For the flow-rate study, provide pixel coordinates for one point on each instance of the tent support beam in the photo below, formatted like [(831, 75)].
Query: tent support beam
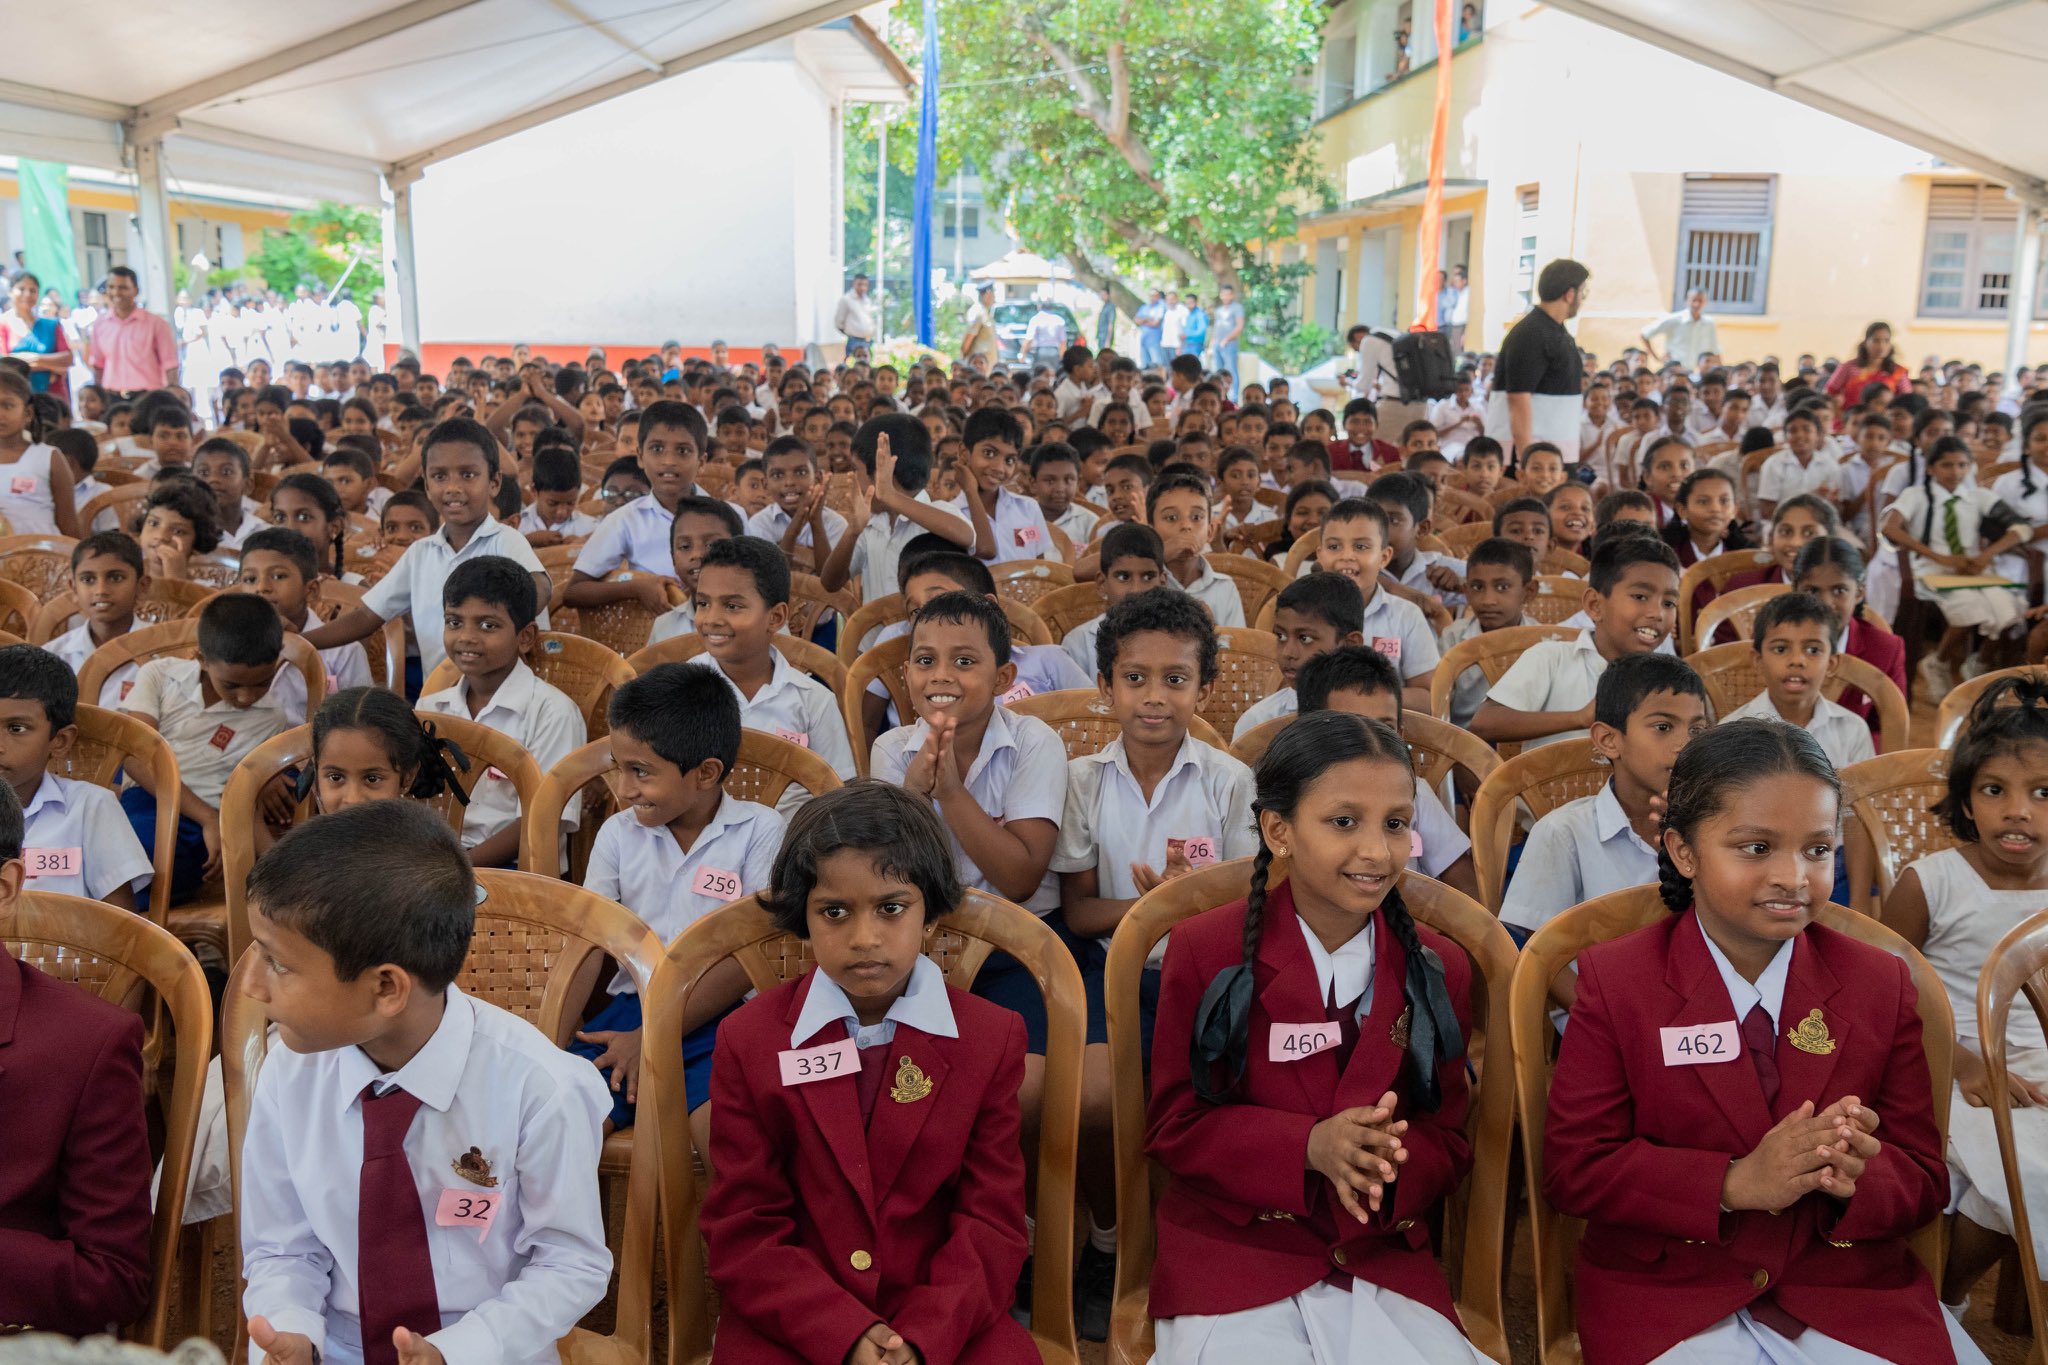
[(1902, 36), (2026, 278), (153, 214), (406, 275)]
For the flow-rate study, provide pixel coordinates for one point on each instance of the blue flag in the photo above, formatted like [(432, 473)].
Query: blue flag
[(927, 175)]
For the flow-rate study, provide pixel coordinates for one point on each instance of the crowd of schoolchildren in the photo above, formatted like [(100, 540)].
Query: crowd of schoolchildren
[(868, 1130)]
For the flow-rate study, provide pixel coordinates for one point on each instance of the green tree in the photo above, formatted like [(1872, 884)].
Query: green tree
[(318, 247)]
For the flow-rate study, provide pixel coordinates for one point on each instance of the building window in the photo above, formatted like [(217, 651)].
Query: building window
[(1339, 75), (1968, 269), (1724, 242), (969, 223), (1525, 247)]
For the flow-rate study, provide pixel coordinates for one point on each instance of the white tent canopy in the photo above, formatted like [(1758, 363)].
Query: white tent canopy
[(341, 99), (1963, 79)]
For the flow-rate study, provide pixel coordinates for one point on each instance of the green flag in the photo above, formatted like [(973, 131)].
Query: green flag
[(50, 254)]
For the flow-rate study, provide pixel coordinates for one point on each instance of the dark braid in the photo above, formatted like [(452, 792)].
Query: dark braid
[(1433, 1033), (1712, 770)]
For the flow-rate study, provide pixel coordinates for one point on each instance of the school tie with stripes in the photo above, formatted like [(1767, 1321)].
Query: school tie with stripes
[(1949, 528)]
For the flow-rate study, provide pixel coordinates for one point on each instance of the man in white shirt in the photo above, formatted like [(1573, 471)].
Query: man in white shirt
[(1687, 334), (854, 317), (1173, 328), (1045, 336)]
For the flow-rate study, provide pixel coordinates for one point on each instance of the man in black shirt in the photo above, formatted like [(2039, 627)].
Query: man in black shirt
[(1541, 371)]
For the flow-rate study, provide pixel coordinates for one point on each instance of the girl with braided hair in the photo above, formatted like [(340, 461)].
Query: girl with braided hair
[(1309, 1090), (1954, 906), (1741, 1109)]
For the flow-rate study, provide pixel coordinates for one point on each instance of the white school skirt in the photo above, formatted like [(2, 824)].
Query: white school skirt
[(1322, 1325), (1741, 1340), (1977, 1172)]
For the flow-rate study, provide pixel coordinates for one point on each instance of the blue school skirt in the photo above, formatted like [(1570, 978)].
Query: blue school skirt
[(622, 1015)]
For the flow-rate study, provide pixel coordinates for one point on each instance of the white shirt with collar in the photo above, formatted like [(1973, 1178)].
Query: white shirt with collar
[(1018, 523), (1782, 477), (571, 527), (794, 706), (250, 524), (537, 716), (1140, 419), (1584, 848), (347, 665), (1416, 577), (669, 887), (1073, 397), (210, 740), (1842, 734), (1344, 977), (880, 548), (675, 621), (76, 645), (77, 840), (1078, 523), (1080, 644), (1399, 630), (486, 1079), (771, 521), (922, 1006), (1469, 689), (637, 536), (1109, 823), (1019, 774), (415, 581), (1767, 990), (1272, 706), (1217, 593), (1552, 675)]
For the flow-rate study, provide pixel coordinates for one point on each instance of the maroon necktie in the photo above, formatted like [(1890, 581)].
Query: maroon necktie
[(1760, 1039), (874, 1061), (394, 1269), (1345, 1017)]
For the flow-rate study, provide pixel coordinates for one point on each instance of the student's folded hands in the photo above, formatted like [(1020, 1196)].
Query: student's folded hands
[(879, 1345), (1359, 1152)]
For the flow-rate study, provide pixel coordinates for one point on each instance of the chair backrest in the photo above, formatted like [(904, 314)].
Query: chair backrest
[(179, 639), (1473, 1243), (1893, 797), (768, 765), (1247, 672), (1462, 539), (1492, 652), (1554, 598), (1062, 544), (121, 500), (1024, 581), (959, 942), (1734, 677), (558, 560), (219, 568), (19, 609), (884, 664), (1549, 952), (1457, 508), (42, 564), (870, 616), (1737, 609), (1955, 707), (1063, 609), (1257, 581), (621, 626), (1541, 779), (584, 669), (809, 602), (1717, 570), (815, 660), (165, 599), (118, 956), (384, 651), (109, 741), (537, 950), (1299, 553), (1084, 721), (1437, 746), (2019, 963), (1563, 563)]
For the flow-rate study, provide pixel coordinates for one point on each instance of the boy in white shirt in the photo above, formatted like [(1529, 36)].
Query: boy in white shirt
[(283, 569), (1794, 639), (107, 579), (553, 516), (796, 514), (1177, 506), (1133, 561), (223, 466), (1353, 542), (1014, 523), (1055, 482), (488, 614), (77, 839), (473, 1137), (699, 524), (1498, 574), (1312, 616), (682, 847), (1801, 467), (891, 508)]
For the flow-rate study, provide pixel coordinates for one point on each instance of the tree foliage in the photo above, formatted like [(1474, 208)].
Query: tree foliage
[(318, 246)]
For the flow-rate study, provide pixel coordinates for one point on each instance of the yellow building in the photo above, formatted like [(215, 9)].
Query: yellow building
[(1567, 139), (226, 230)]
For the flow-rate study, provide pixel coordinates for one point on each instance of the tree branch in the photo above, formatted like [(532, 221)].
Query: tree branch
[(1112, 122), (1125, 298), (1189, 262)]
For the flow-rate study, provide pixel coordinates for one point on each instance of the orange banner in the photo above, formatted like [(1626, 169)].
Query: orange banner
[(1431, 229)]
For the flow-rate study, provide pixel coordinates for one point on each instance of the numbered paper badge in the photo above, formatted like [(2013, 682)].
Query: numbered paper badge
[(796, 737), (1701, 1044), (716, 881), (1292, 1042), (52, 862), (802, 1065), (1199, 850), (468, 1209)]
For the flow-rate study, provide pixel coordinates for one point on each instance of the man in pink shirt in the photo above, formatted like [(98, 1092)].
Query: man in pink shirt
[(133, 350)]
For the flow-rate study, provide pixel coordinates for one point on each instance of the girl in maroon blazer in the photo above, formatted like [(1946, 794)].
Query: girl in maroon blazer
[(869, 1205), (1833, 570), (1309, 1089), (1741, 1110)]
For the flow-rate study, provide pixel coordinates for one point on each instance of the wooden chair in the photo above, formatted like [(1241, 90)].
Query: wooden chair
[(538, 950), (1892, 798), (108, 742), (884, 664), (1733, 677), (19, 609), (1065, 609), (218, 569), (869, 617), (814, 660), (1549, 952), (1084, 721), (165, 599), (809, 603), (1256, 538), (1462, 540), (1062, 544), (622, 626), (959, 942), (1247, 672), (1438, 747), (1955, 707), (1024, 581), (768, 765), (121, 957), (1475, 1238), (1492, 652), (1257, 581), (384, 650), (1456, 509), (585, 669), (1737, 610), (42, 564), (1560, 563), (179, 639), (559, 560), (1717, 570), (1541, 779), (122, 501), (2019, 963), (1555, 599)]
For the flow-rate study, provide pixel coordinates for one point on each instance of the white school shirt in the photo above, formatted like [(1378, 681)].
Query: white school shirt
[(643, 868), (1782, 477), (1109, 823), (1018, 523), (1072, 397), (1272, 706), (1438, 840), (1020, 774), (1140, 419), (1080, 645), (76, 645), (1470, 687), (210, 740), (1043, 668), (793, 705), (1972, 503), (924, 1005), (25, 497), (1841, 733), (485, 1079), (414, 583), (637, 536), (1077, 522), (569, 528), (1230, 521), (880, 548), (1552, 675), (1584, 848), (771, 521), (1344, 977), (675, 621), (1417, 578), (249, 525), (1217, 593), (537, 716), (80, 826), (1767, 990), (1400, 631), (347, 665)]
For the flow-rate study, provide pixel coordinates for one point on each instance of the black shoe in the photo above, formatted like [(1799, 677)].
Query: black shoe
[(1094, 1292), (1020, 1311)]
